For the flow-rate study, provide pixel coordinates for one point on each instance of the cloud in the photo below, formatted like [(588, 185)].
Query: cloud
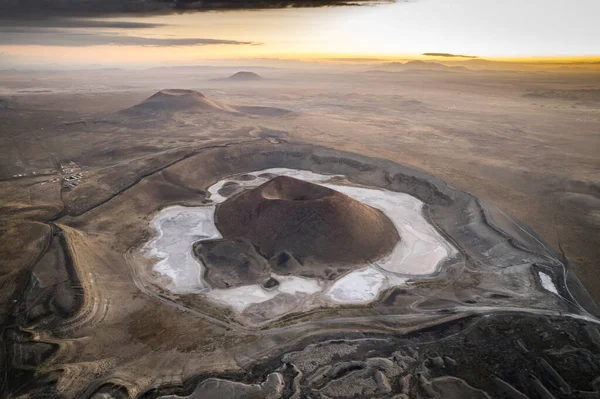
[(354, 59), (77, 39), (48, 9), (449, 55), (76, 23)]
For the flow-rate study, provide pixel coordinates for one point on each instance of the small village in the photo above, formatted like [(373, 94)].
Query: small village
[(71, 173)]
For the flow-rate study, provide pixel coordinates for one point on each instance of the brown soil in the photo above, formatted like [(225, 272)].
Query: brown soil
[(313, 223)]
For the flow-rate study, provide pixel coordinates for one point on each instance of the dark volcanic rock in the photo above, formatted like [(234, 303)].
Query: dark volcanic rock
[(311, 223), (229, 188), (244, 177), (270, 284), (284, 263), (231, 263)]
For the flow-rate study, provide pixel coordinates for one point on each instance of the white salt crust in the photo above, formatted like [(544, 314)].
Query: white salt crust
[(420, 251)]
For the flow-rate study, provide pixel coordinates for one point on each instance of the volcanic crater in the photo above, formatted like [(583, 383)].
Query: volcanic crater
[(305, 229)]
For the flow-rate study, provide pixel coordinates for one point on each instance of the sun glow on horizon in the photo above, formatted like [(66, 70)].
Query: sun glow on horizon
[(513, 31)]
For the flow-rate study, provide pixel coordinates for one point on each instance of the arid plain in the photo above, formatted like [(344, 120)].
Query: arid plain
[(89, 158)]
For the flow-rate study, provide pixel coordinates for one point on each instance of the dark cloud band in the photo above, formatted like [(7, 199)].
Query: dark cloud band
[(73, 23), (73, 39), (45, 9)]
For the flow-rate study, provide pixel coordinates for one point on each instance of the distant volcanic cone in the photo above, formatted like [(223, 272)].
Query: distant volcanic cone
[(313, 224), (245, 76), (179, 100)]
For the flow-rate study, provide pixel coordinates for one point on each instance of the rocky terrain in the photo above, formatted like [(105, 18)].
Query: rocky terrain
[(90, 175)]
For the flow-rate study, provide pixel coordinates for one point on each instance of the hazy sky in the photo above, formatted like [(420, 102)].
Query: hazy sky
[(485, 28)]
